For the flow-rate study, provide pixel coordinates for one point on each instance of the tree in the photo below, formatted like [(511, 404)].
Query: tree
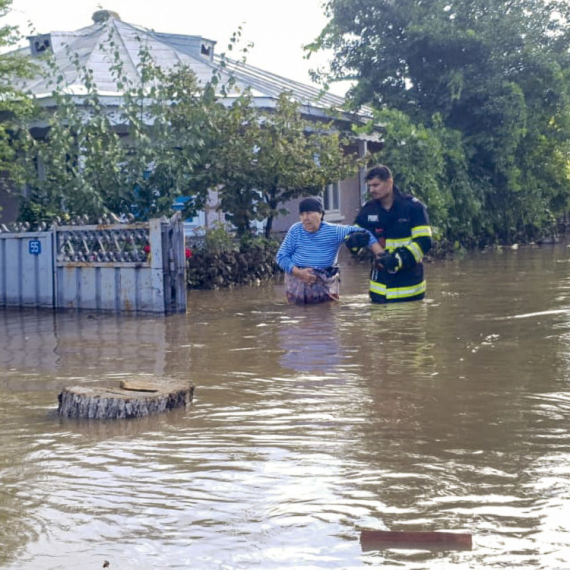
[(494, 72), (15, 106), (416, 155), (137, 164), (269, 157)]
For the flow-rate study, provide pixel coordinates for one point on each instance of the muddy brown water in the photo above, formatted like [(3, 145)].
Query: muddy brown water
[(308, 424)]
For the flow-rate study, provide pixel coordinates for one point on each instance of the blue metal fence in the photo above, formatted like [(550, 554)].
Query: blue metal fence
[(131, 267)]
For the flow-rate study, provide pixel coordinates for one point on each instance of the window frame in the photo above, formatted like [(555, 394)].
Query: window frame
[(332, 197)]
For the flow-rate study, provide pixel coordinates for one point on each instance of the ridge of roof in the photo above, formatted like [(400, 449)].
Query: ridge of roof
[(278, 84)]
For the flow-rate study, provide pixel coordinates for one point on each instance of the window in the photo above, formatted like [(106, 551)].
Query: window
[(332, 199), (207, 49), (41, 44)]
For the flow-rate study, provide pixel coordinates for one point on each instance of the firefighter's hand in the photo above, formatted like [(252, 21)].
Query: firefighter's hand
[(306, 275), (356, 241), (390, 262)]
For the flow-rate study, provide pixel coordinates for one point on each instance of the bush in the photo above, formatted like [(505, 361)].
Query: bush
[(222, 260)]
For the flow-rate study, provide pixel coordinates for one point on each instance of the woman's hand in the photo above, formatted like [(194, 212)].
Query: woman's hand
[(306, 275)]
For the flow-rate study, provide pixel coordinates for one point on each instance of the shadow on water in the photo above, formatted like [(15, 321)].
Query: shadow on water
[(308, 424)]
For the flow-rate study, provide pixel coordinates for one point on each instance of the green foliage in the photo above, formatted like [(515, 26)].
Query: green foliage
[(416, 156), (16, 108), (219, 239), (251, 264), (136, 163), (269, 157), (488, 80), (249, 241)]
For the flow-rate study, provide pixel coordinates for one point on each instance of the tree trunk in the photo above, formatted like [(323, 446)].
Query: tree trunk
[(134, 398), (268, 227)]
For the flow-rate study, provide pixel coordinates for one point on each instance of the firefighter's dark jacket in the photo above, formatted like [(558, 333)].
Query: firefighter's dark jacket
[(403, 229)]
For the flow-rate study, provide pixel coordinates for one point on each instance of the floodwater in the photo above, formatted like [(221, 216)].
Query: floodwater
[(308, 425)]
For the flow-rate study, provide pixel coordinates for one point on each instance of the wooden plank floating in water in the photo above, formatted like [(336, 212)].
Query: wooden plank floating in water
[(134, 398), (378, 539)]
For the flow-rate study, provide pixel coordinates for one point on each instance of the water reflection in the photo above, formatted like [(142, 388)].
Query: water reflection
[(85, 345), (309, 338)]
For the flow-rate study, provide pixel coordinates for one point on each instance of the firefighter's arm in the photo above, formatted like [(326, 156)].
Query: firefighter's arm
[(421, 241), (403, 257), (407, 256), (413, 252)]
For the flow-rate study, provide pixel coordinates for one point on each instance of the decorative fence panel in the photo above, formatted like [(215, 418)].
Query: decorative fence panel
[(133, 267)]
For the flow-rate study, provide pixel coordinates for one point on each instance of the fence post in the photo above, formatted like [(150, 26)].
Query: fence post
[(54, 250), (174, 263), (157, 264), (179, 256)]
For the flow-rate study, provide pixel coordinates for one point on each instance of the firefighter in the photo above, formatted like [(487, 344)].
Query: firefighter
[(401, 225)]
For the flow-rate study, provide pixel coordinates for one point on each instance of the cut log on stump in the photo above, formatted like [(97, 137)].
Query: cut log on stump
[(134, 398), (378, 539)]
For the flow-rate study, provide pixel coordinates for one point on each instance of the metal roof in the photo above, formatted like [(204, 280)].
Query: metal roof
[(92, 46)]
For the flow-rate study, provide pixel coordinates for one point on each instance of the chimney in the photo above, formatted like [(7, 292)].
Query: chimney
[(102, 15)]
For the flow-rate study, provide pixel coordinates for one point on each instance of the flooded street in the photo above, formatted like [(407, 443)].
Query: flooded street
[(308, 424)]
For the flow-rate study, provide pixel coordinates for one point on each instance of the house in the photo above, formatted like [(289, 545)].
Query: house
[(90, 44)]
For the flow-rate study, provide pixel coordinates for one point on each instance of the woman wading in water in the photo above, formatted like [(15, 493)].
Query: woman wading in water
[(309, 252)]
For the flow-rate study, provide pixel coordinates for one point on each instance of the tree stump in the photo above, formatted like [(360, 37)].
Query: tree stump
[(134, 398)]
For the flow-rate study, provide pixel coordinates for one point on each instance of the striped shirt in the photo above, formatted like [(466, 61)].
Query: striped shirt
[(314, 249)]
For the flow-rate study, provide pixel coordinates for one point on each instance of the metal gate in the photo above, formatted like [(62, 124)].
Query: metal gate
[(26, 269), (131, 267)]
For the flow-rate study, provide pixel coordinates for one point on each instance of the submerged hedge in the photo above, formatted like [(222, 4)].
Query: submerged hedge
[(244, 264)]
